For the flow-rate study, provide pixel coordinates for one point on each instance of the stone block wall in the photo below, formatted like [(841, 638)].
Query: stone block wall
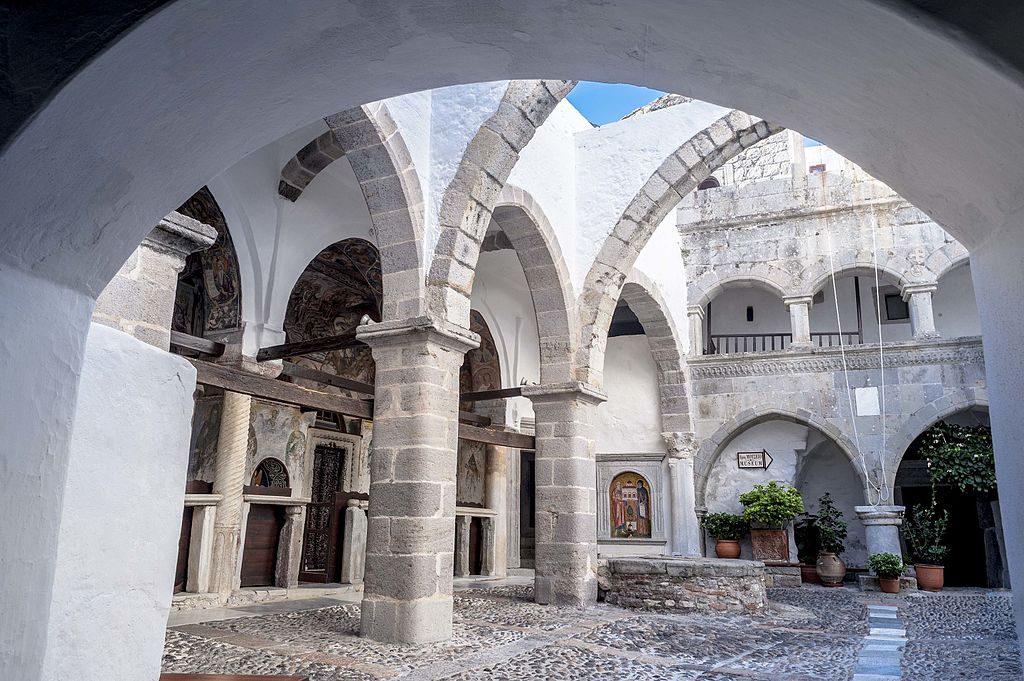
[(684, 584)]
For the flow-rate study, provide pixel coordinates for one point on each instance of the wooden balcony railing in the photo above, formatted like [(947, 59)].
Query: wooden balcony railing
[(725, 344)]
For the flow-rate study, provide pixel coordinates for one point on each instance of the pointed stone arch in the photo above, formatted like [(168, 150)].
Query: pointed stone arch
[(645, 300), (711, 448), (523, 221), (469, 199), (371, 141), (677, 176)]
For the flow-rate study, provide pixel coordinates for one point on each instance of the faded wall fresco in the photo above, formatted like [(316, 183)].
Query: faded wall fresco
[(481, 370), (205, 433), (469, 481), (279, 432)]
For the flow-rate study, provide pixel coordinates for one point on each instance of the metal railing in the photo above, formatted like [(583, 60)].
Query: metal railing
[(725, 344)]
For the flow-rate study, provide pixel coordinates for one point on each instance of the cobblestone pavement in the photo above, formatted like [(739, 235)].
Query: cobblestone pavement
[(499, 633)]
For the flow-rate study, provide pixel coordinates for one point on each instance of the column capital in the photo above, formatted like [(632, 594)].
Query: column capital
[(912, 289), (415, 329), (179, 235), (563, 392), (798, 300), (681, 445), (880, 515), (695, 311)]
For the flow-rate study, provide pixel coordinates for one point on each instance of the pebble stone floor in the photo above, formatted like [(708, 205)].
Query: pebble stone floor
[(499, 633)]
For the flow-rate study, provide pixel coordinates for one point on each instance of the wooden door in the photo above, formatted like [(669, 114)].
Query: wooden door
[(320, 546), (184, 541), (262, 534), (476, 558)]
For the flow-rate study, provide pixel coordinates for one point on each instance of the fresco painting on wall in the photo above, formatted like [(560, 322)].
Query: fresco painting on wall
[(630, 506)]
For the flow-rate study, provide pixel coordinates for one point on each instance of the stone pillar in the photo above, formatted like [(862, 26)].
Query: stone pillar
[(462, 529), (922, 321), (229, 478), (682, 448), (200, 549), (566, 474), (139, 300), (881, 527), (800, 320), (488, 546), (289, 552), (496, 494), (408, 584), (353, 551), (695, 317)]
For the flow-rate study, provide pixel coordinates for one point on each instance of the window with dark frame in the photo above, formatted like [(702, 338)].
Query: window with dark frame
[(896, 308)]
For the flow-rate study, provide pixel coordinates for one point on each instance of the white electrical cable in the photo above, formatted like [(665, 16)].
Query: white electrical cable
[(882, 491)]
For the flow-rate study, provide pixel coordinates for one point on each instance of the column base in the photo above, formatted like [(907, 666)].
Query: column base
[(425, 620), (565, 591)]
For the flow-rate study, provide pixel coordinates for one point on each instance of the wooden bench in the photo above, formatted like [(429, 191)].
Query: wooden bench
[(228, 677)]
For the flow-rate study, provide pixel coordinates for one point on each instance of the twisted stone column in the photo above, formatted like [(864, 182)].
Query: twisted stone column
[(229, 479), (407, 596), (566, 473), (686, 540)]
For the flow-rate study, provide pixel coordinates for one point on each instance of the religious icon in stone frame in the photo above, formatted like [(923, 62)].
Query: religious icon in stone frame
[(630, 505)]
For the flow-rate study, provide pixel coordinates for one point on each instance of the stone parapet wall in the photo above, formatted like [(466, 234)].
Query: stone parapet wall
[(684, 584)]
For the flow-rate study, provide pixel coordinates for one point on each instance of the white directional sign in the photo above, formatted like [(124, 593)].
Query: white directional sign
[(761, 459)]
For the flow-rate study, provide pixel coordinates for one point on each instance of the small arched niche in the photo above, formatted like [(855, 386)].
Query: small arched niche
[(270, 472)]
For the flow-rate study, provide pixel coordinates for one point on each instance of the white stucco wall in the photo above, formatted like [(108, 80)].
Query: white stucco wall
[(826, 469), (954, 305), (662, 261), (630, 421), (126, 485), (614, 161), (501, 295)]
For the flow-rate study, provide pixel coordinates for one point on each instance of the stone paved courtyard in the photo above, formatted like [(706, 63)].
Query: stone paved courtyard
[(499, 633)]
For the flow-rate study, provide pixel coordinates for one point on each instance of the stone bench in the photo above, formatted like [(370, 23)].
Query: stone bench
[(684, 584)]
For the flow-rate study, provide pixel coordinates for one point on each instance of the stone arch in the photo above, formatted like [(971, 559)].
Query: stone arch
[(645, 300), (923, 419), (469, 199), (677, 176), (819, 275), (710, 285), (208, 298), (371, 141), (523, 221), (946, 259), (711, 448)]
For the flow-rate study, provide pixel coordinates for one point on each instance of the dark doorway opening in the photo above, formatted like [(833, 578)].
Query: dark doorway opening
[(527, 508)]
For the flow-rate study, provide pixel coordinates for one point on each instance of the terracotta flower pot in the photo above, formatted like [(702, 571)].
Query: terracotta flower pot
[(930, 577), (727, 548), (809, 574), (831, 569), (889, 585), (770, 544)]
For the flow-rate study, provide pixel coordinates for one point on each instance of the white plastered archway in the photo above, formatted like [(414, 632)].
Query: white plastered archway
[(196, 86)]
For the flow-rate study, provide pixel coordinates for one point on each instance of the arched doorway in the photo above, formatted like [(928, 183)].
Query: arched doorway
[(977, 557)]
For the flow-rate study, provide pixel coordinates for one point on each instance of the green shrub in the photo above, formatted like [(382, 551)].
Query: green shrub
[(960, 456), (925, 530), (772, 504), (887, 565), (726, 526), (830, 526)]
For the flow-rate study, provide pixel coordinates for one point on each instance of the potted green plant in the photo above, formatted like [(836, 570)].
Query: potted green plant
[(888, 567), (925, 531), (832, 534), (808, 546), (769, 508), (727, 529)]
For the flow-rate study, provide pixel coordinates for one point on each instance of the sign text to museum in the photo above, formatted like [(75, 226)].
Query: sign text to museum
[(761, 459)]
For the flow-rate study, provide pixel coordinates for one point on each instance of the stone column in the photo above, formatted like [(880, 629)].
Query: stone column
[(229, 478), (496, 494), (682, 448), (881, 527), (200, 548), (922, 321), (462, 529), (566, 474), (139, 300), (695, 317), (488, 546), (289, 552), (408, 583), (800, 320), (353, 551)]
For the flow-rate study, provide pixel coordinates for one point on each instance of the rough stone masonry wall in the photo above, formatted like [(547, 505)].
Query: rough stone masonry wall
[(767, 160), (684, 584)]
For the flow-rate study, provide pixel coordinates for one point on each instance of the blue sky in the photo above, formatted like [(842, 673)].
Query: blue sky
[(602, 103)]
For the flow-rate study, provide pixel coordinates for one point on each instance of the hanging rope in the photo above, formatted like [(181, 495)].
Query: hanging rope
[(842, 352), (883, 489)]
